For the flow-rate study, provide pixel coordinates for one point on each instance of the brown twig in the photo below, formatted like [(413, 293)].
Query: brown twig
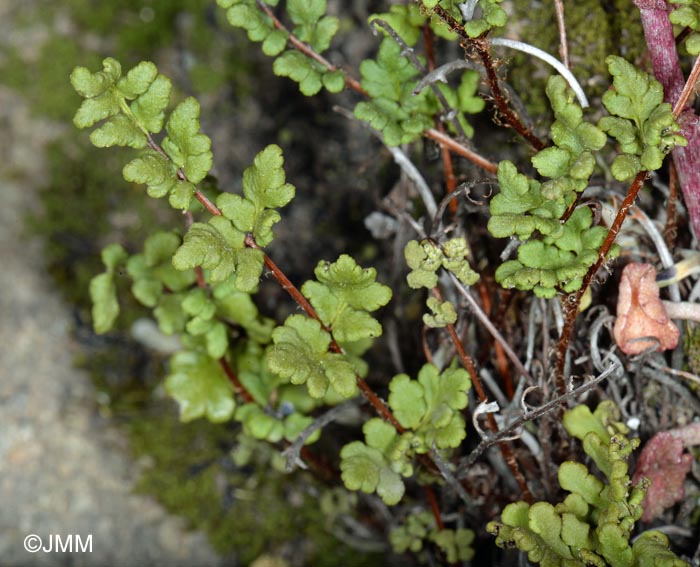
[(561, 26), (573, 301), (688, 89), (506, 450), (483, 50), (206, 203), (434, 507), (456, 147), (501, 358), (238, 387), (285, 282)]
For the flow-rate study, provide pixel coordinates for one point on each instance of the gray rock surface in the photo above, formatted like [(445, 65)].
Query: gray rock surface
[(63, 470)]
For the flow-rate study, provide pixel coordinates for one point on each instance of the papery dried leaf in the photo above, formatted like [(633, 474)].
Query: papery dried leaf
[(665, 464), (641, 316)]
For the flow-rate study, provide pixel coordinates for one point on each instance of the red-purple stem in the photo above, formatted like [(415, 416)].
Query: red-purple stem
[(667, 70)]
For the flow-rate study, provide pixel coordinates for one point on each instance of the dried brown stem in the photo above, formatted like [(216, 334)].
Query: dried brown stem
[(456, 147), (688, 89), (434, 507), (506, 450), (206, 203), (561, 26), (483, 50), (238, 387), (573, 301)]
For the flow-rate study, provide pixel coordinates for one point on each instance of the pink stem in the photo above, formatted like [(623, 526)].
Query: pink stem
[(664, 59)]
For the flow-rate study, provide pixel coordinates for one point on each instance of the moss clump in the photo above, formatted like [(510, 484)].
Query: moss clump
[(692, 349), (246, 505), (594, 31)]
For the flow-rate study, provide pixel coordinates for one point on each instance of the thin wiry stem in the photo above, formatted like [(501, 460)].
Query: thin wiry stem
[(439, 74), (490, 327), (466, 463), (694, 378), (506, 450), (689, 87), (572, 302), (482, 48), (465, 188), (237, 385), (447, 165), (561, 26), (456, 147), (292, 453), (450, 478), (674, 386)]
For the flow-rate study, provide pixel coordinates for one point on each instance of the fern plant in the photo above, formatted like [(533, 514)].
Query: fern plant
[(285, 383), (594, 523)]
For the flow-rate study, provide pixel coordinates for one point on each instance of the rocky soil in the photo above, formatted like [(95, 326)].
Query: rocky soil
[(63, 469)]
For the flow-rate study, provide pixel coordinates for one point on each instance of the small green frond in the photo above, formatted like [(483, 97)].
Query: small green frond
[(300, 354), (213, 246), (641, 122), (300, 69), (245, 14), (492, 16), (593, 525), (264, 189), (312, 25), (200, 387), (106, 96), (344, 295), (442, 313), (185, 145), (431, 405), (394, 110), (105, 307), (424, 259), (369, 468), (103, 294)]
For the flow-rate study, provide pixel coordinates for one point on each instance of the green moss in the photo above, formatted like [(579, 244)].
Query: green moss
[(246, 509), (692, 349), (594, 31)]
